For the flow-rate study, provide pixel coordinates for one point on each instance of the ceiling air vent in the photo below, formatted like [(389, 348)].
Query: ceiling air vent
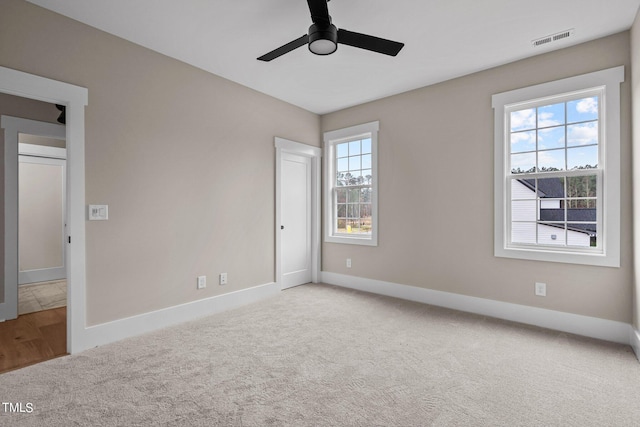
[(553, 38)]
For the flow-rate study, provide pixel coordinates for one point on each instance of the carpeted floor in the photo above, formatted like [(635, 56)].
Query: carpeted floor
[(317, 355)]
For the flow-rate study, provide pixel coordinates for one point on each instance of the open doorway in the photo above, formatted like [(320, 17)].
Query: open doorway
[(39, 173), (42, 221), (24, 86)]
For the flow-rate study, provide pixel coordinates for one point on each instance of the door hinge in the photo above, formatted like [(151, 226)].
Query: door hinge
[(69, 239)]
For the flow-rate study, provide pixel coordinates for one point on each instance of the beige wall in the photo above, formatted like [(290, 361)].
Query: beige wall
[(26, 109), (436, 192), (184, 159), (635, 93)]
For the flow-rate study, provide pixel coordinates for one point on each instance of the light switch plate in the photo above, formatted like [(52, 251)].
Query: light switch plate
[(98, 212)]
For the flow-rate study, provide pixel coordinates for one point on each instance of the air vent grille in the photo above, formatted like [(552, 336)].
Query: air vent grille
[(553, 38)]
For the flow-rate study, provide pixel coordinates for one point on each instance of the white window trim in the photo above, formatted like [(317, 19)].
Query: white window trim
[(608, 79), (332, 138)]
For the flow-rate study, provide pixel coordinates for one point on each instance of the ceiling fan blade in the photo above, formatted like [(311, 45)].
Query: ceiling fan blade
[(319, 12), (364, 41), (285, 49)]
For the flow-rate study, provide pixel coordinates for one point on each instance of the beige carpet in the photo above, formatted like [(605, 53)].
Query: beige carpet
[(42, 296), (316, 355)]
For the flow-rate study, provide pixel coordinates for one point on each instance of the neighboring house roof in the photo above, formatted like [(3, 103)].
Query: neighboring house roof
[(572, 216), (548, 187)]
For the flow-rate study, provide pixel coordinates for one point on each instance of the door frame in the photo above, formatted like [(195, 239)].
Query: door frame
[(75, 98), (315, 154)]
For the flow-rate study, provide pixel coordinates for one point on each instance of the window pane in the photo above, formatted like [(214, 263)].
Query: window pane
[(523, 141), (354, 148), (366, 161), (523, 232), (523, 210), (582, 186), (552, 160), (582, 134), (341, 226), (523, 189), (353, 196), (365, 195), (582, 157), (354, 163), (367, 176), (551, 115), (581, 234), (342, 210), (366, 146), (551, 188), (523, 162), (551, 234), (581, 209), (365, 211), (551, 138), (342, 179), (343, 165), (341, 195), (581, 110), (342, 150), (353, 210), (523, 119)]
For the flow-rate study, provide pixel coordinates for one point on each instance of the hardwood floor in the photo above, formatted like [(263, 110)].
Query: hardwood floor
[(33, 338)]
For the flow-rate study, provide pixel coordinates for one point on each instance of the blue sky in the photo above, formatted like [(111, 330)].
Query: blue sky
[(563, 129)]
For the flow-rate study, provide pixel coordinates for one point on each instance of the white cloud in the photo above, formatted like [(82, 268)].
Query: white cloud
[(587, 105), (582, 134), (545, 120), (523, 119)]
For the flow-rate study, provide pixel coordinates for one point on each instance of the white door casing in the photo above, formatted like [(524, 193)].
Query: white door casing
[(297, 213), (75, 98)]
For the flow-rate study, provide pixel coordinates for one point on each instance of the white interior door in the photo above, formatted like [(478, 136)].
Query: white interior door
[(41, 219), (295, 214)]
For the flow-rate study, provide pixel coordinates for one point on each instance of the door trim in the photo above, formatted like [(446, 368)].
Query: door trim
[(315, 154), (75, 98)]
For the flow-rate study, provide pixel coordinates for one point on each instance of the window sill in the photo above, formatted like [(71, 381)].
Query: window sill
[(351, 240), (568, 257)]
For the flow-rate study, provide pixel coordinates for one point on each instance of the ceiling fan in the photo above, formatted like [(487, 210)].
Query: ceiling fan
[(323, 37)]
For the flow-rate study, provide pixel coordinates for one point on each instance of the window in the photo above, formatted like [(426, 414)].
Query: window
[(557, 170), (351, 185)]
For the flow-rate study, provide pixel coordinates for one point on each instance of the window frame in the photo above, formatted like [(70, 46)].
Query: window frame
[(608, 251), (331, 139)]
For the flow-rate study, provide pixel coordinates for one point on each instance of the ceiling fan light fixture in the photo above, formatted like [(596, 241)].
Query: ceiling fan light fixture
[(323, 40)]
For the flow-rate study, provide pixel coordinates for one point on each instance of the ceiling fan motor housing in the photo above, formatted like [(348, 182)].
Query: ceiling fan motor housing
[(323, 40)]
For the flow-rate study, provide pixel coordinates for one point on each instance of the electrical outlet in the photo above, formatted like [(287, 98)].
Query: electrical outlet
[(541, 289), (202, 282), (223, 278), (348, 262)]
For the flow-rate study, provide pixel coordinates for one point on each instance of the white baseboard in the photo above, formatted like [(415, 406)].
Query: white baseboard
[(593, 327), (116, 330), (635, 342)]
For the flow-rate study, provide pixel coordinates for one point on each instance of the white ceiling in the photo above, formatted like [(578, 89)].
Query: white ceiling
[(443, 39)]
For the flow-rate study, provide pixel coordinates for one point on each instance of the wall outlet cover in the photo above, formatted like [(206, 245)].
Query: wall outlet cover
[(202, 282)]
